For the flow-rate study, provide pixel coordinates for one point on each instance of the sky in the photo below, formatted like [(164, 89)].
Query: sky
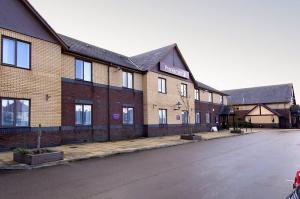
[(227, 44)]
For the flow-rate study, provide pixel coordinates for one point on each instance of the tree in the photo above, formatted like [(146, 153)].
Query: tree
[(185, 101)]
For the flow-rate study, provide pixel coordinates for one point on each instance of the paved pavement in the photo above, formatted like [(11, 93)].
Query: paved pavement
[(253, 166), (74, 152)]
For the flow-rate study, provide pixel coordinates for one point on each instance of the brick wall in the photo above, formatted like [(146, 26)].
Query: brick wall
[(73, 90), (43, 79)]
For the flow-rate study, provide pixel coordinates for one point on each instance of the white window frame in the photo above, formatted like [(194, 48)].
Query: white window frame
[(164, 114), (197, 94), (162, 85), (126, 120), (183, 90), (185, 121), (126, 77), (198, 117)]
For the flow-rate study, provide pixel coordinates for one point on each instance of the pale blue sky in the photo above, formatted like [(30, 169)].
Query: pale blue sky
[(227, 43)]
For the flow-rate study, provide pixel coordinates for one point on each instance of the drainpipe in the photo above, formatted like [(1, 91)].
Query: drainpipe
[(108, 103)]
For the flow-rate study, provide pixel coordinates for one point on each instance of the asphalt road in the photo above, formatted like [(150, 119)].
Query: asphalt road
[(252, 166)]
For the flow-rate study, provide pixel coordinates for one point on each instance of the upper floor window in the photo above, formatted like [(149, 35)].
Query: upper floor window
[(16, 53), (183, 90), (162, 113), (161, 85), (14, 112), (210, 97), (127, 80), (197, 94), (127, 115), (184, 117), (83, 114), (83, 70), (221, 99), (197, 118)]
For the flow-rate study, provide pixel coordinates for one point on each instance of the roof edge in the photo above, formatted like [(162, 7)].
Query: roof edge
[(44, 22)]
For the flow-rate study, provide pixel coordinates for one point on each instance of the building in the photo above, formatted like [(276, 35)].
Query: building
[(79, 92), (266, 106)]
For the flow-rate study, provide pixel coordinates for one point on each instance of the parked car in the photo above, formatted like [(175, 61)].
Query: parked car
[(297, 179)]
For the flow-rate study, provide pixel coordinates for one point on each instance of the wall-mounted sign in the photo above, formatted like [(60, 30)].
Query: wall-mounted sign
[(177, 117), (175, 71), (115, 116)]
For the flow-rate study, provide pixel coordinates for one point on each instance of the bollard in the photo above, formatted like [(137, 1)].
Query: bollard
[(39, 138)]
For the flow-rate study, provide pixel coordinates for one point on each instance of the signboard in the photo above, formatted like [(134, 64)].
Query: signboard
[(115, 116), (175, 71)]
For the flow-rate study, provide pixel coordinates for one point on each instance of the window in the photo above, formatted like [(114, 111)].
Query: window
[(127, 115), (14, 112), (83, 70), (183, 90), (216, 119), (161, 85), (16, 53), (184, 116), (162, 116), (197, 94), (198, 118), (208, 119), (210, 97), (83, 114), (221, 100), (127, 80)]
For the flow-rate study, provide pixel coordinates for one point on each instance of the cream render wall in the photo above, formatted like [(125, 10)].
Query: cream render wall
[(245, 107), (255, 111), (99, 73), (153, 101), (280, 106), (265, 111), (217, 98), (43, 79), (271, 106), (225, 100), (264, 119), (204, 96)]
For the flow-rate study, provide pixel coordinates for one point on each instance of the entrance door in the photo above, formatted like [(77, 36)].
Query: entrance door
[(282, 123)]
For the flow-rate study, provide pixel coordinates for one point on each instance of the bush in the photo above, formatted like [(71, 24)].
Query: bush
[(239, 131), (22, 151)]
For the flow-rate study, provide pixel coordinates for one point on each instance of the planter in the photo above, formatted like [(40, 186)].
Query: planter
[(40, 158), (237, 131), (190, 137)]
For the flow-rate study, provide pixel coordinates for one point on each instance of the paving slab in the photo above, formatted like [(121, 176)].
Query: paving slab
[(76, 152)]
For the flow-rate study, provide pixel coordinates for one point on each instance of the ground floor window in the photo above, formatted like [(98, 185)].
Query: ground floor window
[(198, 118), (127, 115), (15, 112), (217, 119), (83, 114), (162, 113), (208, 118), (184, 116)]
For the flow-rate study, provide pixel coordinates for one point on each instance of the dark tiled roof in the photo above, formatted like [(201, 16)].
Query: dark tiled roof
[(226, 110), (95, 52), (206, 87), (261, 95), (150, 59)]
